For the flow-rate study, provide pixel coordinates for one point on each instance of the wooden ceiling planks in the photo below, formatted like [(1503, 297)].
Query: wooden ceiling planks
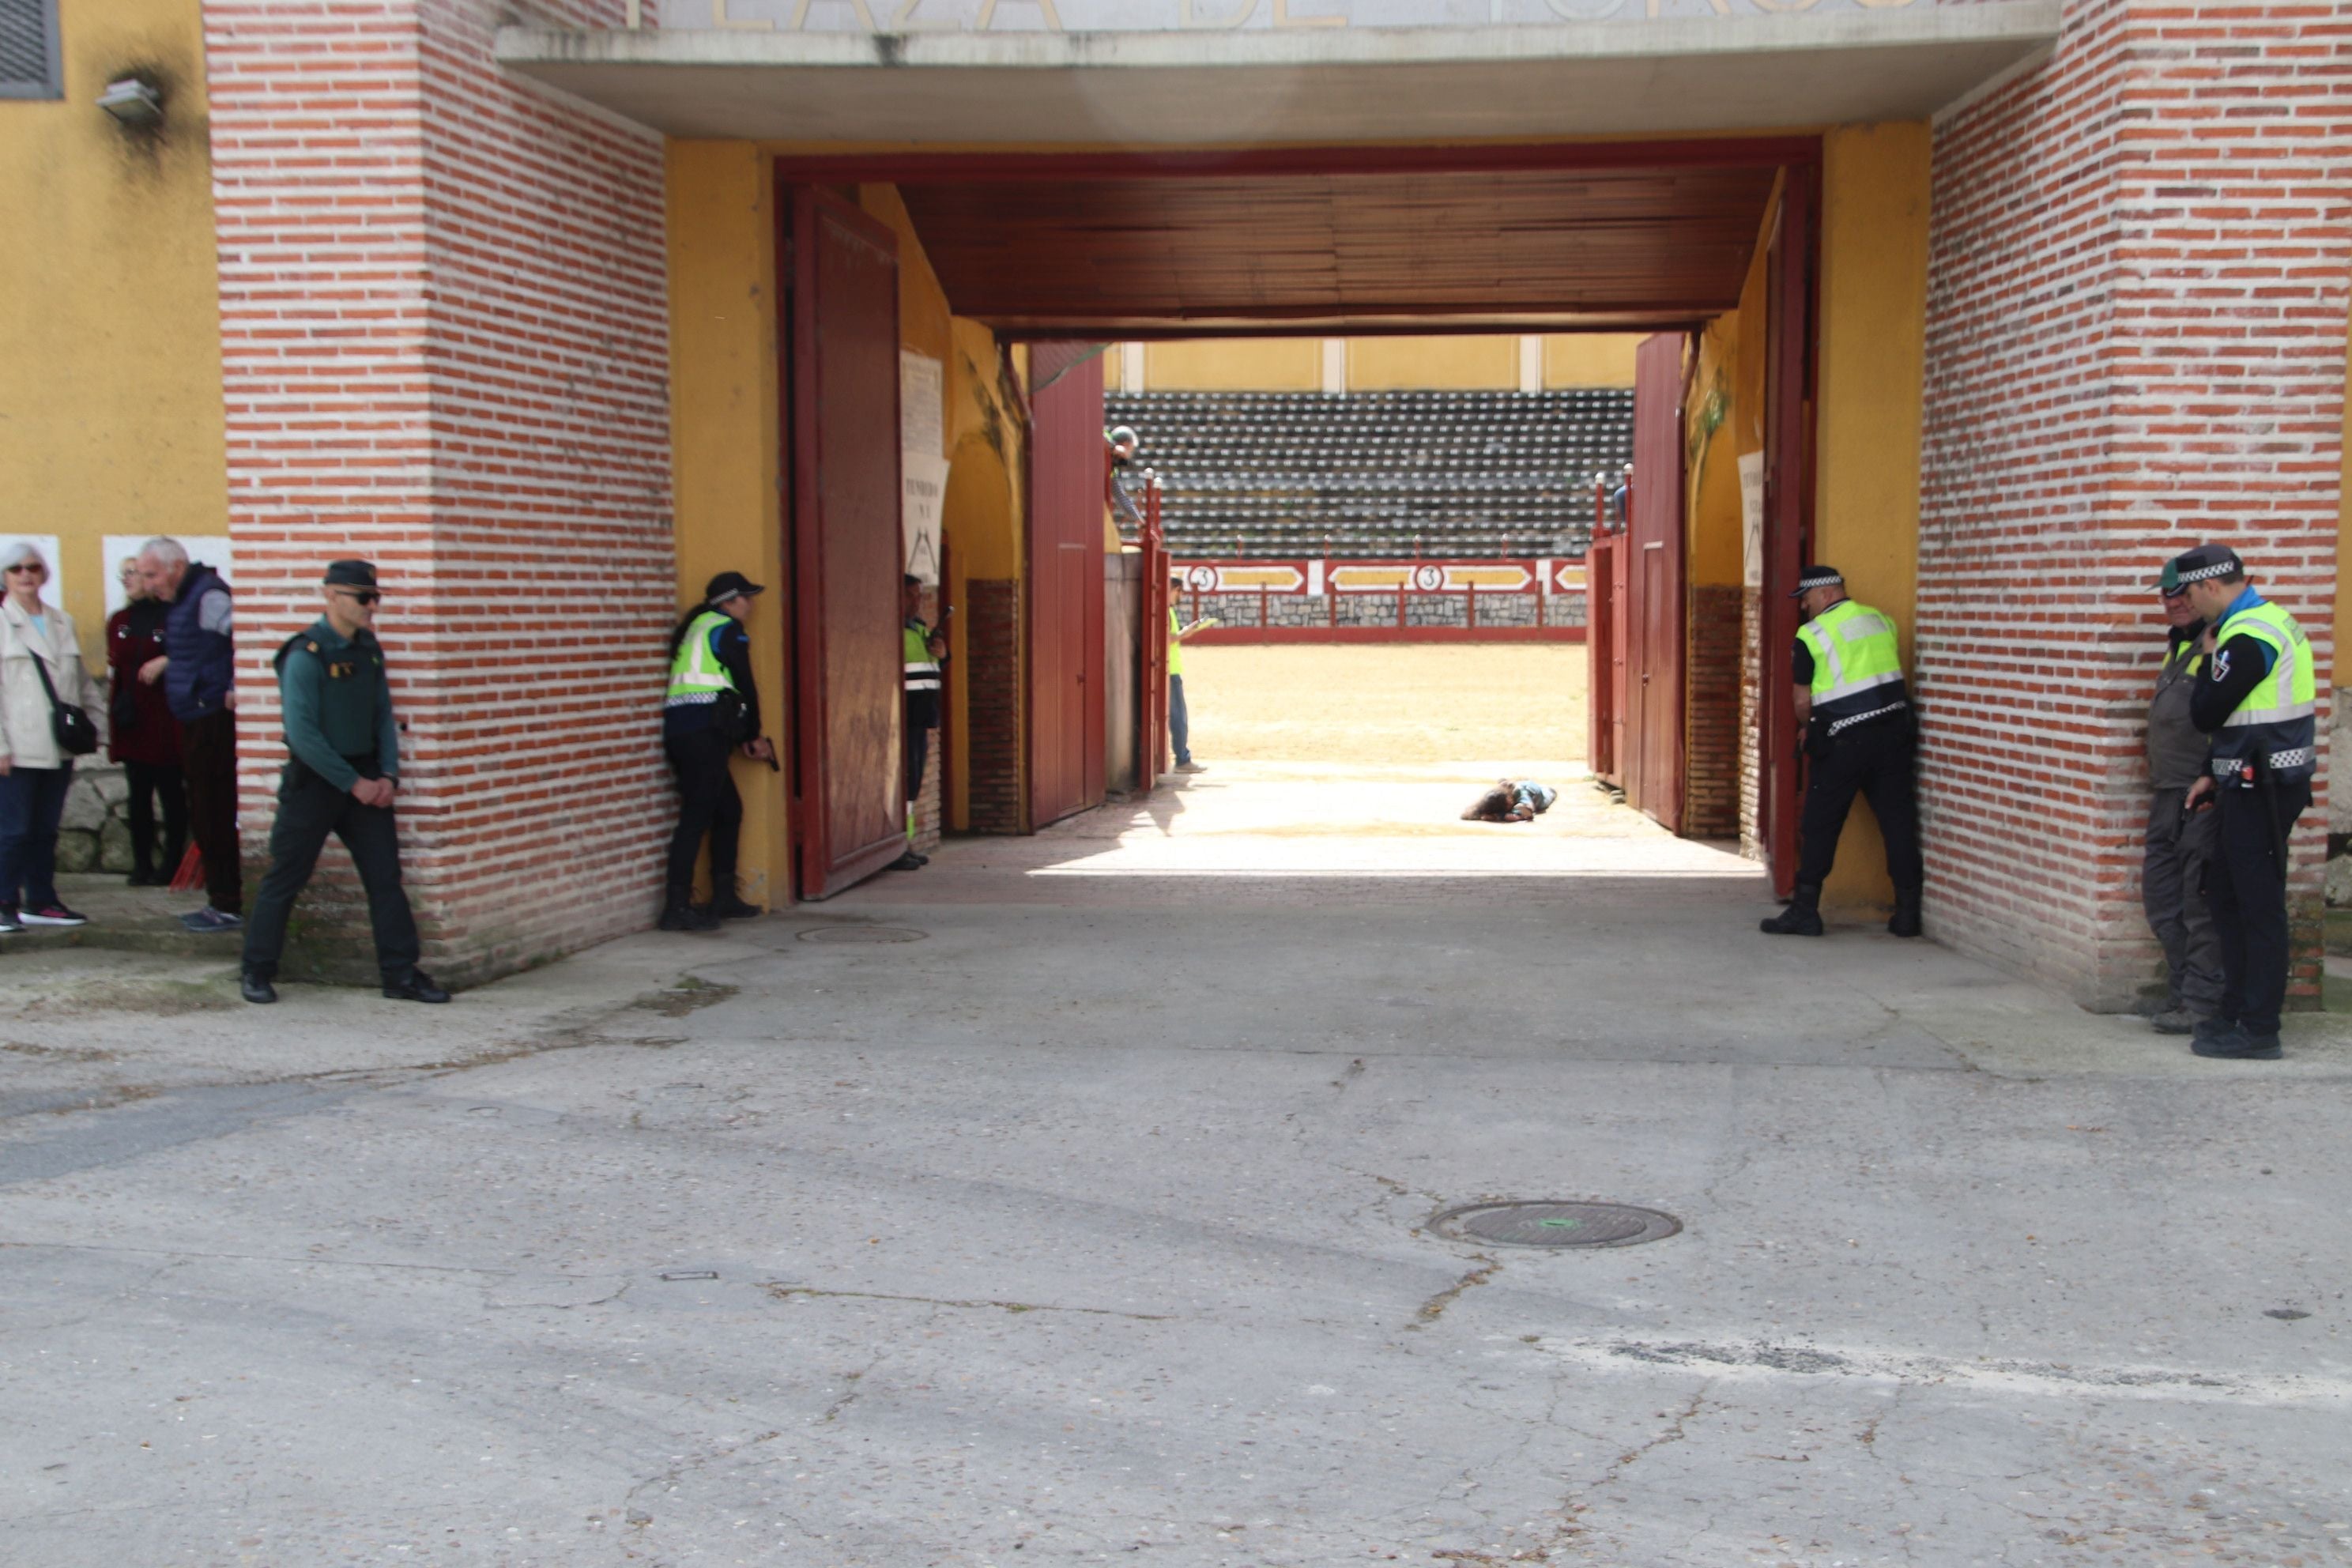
[(1566, 244)]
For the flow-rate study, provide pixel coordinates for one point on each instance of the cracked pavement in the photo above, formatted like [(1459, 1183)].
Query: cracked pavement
[(1091, 1228)]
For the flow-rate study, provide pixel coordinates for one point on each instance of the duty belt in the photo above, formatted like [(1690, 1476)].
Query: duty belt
[(1852, 720), (2240, 771)]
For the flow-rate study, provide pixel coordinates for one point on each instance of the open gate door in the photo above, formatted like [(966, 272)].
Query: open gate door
[(1651, 755), (1067, 722), (848, 816)]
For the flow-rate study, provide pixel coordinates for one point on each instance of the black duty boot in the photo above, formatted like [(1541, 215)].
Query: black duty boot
[(1802, 918), (417, 987), (1905, 918), (731, 908), (679, 915), (255, 987)]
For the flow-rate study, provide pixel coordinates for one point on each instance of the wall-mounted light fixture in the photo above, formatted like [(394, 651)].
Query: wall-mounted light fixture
[(133, 103)]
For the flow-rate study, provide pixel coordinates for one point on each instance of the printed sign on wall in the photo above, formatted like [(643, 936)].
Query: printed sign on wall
[(922, 469)]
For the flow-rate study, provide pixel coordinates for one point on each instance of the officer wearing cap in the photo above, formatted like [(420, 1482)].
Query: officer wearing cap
[(2257, 701), (1860, 733), (2179, 843), (710, 713), (337, 704)]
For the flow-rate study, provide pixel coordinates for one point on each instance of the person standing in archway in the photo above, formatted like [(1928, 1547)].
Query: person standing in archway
[(711, 713), (920, 649), (1861, 733)]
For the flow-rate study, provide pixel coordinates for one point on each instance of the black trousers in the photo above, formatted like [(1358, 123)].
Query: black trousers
[(151, 783), (706, 804), (209, 761), (2245, 887), (309, 808), (1873, 762)]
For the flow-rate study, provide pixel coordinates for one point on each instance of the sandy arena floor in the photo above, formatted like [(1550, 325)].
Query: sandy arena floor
[(1373, 704)]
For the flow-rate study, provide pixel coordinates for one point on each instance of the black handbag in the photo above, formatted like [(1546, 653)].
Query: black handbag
[(77, 736)]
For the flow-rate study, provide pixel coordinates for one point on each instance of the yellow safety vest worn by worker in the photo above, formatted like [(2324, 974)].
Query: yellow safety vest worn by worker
[(1175, 649), (696, 676), (2275, 728), (922, 670), (1857, 665)]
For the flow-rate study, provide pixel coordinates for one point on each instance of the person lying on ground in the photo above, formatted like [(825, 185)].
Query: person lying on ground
[(1512, 800)]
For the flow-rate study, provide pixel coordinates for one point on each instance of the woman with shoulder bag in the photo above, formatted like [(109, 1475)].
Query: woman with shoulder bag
[(144, 737), (48, 717)]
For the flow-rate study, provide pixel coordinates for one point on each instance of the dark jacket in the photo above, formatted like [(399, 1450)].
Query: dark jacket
[(143, 730), (204, 664)]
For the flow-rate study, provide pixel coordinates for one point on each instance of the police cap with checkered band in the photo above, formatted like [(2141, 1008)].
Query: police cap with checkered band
[(2197, 565)]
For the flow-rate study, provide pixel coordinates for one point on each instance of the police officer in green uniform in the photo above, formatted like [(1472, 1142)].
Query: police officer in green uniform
[(2257, 699), (921, 649), (1860, 733), (340, 780)]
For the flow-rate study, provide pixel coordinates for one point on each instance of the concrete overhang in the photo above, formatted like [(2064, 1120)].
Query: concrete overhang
[(1322, 85)]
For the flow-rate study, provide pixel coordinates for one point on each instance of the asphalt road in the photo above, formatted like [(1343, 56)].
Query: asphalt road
[(1091, 1223)]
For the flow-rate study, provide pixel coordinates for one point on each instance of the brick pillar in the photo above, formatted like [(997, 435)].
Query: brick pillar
[(993, 685), (1711, 729), (2136, 340), (444, 346)]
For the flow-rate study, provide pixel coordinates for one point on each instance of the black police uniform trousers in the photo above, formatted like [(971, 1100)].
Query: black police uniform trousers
[(308, 809), (708, 803), (2245, 887), (1873, 761)]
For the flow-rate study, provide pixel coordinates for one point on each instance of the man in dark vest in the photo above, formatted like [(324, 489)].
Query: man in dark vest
[(198, 669), (2179, 843), (337, 701)]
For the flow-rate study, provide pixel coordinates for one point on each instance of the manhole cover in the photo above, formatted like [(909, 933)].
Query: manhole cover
[(1555, 1224), (862, 933)]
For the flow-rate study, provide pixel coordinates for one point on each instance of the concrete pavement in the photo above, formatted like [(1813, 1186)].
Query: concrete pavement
[(1066, 1202)]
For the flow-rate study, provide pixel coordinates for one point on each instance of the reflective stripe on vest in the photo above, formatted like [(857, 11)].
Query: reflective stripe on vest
[(695, 675), (922, 670), (1857, 663), (2276, 722)]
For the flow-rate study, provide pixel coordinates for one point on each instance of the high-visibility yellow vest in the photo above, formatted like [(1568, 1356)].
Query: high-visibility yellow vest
[(1175, 649), (1857, 665), (2276, 725), (922, 670), (695, 675)]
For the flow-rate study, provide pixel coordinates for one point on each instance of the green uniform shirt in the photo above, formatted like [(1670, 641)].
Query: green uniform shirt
[(338, 703)]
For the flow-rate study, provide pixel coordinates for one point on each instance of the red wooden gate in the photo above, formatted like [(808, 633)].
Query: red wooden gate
[(1066, 577), (1651, 756), (842, 370), (1601, 649), (1787, 511), (1151, 686)]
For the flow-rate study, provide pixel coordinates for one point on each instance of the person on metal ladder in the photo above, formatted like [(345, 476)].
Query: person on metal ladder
[(1860, 733), (924, 650)]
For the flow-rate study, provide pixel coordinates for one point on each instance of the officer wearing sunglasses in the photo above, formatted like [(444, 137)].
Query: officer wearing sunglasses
[(340, 780)]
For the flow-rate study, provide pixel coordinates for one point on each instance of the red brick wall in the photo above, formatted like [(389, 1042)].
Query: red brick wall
[(1711, 729), (1751, 722), (444, 345), (2136, 340), (993, 680)]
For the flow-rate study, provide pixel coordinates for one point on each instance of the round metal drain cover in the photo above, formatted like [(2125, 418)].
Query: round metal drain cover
[(1567, 1224), (862, 933)]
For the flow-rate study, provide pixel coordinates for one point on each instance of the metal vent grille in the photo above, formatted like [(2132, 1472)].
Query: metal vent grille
[(29, 49)]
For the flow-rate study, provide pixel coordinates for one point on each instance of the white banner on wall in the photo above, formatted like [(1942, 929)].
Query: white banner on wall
[(1752, 517), (212, 549), (922, 468), (53, 592)]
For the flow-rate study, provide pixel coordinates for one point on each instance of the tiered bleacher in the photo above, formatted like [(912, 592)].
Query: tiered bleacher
[(1378, 474)]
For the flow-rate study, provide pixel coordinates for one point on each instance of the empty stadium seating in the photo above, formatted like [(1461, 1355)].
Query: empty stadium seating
[(1475, 474)]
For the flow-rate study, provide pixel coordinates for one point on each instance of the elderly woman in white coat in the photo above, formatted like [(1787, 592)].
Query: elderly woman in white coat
[(35, 771)]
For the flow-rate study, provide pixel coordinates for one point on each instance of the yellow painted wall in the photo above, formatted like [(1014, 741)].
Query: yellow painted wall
[(1873, 353), (1589, 359), (110, 417), (725, 462), (1234, 365), (1731, 379), (1463, 363)]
